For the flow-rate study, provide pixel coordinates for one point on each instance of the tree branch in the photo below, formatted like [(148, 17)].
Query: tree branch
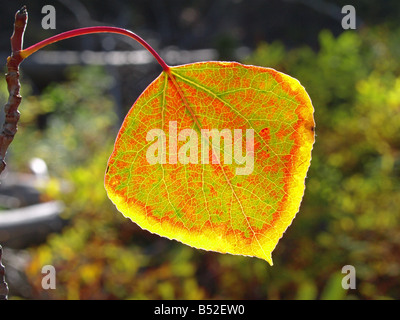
[(3, 283), (11, 109), (12, 77)]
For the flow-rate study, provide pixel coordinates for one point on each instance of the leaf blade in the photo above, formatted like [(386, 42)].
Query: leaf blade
[(208, 206)]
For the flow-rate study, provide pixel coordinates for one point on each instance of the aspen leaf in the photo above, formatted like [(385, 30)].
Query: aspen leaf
[(215, 155), (212, 154)]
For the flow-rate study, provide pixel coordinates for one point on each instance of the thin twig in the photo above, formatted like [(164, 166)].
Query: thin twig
[(11, 108), (3, 283)]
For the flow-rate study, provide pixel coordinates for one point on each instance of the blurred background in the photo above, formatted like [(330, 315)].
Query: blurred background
[(54, 209)]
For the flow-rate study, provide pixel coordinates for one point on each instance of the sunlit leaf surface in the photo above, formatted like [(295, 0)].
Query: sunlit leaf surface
[(237, 195)]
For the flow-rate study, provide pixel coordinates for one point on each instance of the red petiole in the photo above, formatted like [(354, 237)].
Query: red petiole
[(89, 30)]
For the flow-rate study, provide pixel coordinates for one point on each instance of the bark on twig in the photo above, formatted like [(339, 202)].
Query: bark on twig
[(11, 109), (3, 283), (12, 77)]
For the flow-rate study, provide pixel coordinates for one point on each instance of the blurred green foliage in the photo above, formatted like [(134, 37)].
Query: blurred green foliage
[(349, 215), (68, 123), (351, 209)]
